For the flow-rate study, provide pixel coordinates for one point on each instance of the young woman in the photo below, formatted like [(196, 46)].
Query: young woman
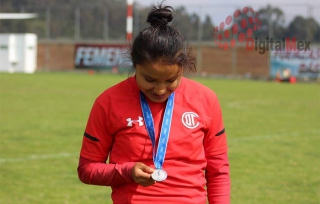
[(163, 133)]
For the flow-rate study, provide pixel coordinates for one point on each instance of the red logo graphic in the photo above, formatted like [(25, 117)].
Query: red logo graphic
[(241, 27)]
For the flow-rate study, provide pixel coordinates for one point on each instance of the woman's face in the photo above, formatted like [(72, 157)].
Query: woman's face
[(158, 80)]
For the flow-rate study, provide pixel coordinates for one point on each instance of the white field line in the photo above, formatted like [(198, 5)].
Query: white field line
[(66, 155), (36, 157), (277, 135)]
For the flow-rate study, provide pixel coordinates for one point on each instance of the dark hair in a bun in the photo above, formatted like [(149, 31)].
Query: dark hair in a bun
[(161, 16), (161, 42)]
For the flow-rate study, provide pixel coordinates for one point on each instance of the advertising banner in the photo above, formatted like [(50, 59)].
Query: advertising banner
[(101, 57), (301, 64)]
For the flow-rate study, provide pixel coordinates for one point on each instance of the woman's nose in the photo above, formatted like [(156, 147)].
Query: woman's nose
[(160, 89)]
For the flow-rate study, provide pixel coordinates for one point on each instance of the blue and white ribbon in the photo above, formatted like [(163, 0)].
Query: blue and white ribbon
[(158, 157)]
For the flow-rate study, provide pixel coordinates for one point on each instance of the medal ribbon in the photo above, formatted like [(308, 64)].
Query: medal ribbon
[(158, 158)]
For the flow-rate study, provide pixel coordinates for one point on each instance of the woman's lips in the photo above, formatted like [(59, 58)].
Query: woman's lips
[(158, 97)]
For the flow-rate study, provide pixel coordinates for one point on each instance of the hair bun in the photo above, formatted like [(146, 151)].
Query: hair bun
[(160, 16)]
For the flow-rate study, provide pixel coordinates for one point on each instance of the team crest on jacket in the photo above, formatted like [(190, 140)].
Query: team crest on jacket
[(139, 121), (189, 119)]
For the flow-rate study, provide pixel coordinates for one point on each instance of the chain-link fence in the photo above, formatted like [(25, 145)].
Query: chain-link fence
[(108, 23), (63, 23)]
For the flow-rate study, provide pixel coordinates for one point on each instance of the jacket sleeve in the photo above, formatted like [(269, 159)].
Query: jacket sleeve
[(98, 173), (217, 171), (96, 145), (218, 179)]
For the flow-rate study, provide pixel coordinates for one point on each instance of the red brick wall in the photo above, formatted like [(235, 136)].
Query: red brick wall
[(217, 61), (253, 62), (238, 61), (53, 56)]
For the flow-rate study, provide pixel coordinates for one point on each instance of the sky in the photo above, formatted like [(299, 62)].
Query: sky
[(218, 10)]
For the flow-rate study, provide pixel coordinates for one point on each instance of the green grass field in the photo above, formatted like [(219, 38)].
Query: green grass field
[(273, 133)]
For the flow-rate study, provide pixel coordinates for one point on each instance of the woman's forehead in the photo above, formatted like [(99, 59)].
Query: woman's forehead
[(158, 69)]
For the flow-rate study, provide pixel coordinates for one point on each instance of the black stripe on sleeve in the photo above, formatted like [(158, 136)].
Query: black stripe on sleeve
[(90, 137), (221, 132)]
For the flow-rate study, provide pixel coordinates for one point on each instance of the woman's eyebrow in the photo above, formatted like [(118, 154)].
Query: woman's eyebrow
[(149, 77)]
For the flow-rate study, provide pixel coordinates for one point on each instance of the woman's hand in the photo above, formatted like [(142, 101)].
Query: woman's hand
[(141, 174)]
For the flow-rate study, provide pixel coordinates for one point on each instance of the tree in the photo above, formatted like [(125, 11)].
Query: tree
[(187, 24), (303, 29), (273, 21), (208, 29)]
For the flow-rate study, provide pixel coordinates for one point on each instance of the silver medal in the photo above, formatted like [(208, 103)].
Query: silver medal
[(159, 175)]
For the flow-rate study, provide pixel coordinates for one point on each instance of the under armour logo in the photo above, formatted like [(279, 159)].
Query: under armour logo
[(188, 119), (130, 121)]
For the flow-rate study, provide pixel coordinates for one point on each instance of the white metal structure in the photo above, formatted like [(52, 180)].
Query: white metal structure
[(18, 52), (18, 15)]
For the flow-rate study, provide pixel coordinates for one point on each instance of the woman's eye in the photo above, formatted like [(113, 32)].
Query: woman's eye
[(149, 80), (171, 81)]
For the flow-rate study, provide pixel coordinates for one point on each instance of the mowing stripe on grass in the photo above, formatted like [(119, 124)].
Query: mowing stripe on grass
[(65, 155)]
